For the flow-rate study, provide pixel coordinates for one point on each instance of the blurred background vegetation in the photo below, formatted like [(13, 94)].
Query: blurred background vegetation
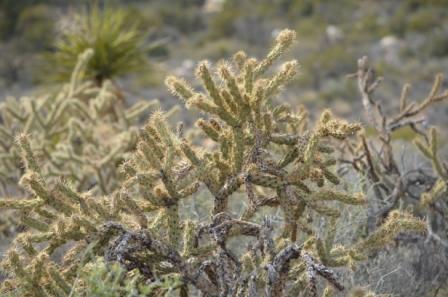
[(404, 39)]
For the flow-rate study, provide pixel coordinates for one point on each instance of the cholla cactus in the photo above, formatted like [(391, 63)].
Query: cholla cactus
[(261, 153), (436, 197), (79, 133), (431, 152)]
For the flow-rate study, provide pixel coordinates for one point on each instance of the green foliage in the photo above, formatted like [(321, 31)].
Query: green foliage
[(112, 34), (111, 280)]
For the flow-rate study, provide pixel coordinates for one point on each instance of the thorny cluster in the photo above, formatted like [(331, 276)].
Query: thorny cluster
[(79, 133), (262, 153)]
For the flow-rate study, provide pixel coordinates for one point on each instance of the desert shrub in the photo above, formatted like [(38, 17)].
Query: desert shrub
[(263, 154), (396, 181), (373, 153)]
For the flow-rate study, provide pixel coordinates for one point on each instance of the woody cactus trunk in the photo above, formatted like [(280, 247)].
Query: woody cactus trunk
[(262, 153)]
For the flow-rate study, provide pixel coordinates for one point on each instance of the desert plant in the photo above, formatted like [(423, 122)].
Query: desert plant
[(435, 198), (394, 183), (111, 280), (263, 154), (376, 157), (119, 47), (80, 133)]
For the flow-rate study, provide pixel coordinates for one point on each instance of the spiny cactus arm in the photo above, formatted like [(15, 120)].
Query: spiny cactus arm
[(324, 210), (431, 152), (233, 88), (284, 139), (80, 109), (325, 246), (203, 73), (35, 185), (437, 192), (28, 281), (114, 154), (58, 280), (21, 204), (12, 109), (396, 223), (63, 229), (284, 40), (329, 194), (133, 207), (328, 126), (6, 137), (179, 88), (44, 278), (37, 115), (134, 112), (30, 160), (56, 113), (284, 76), (77, 74)]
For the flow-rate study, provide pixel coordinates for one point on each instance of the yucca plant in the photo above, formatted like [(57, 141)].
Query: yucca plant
[(118, 45)]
